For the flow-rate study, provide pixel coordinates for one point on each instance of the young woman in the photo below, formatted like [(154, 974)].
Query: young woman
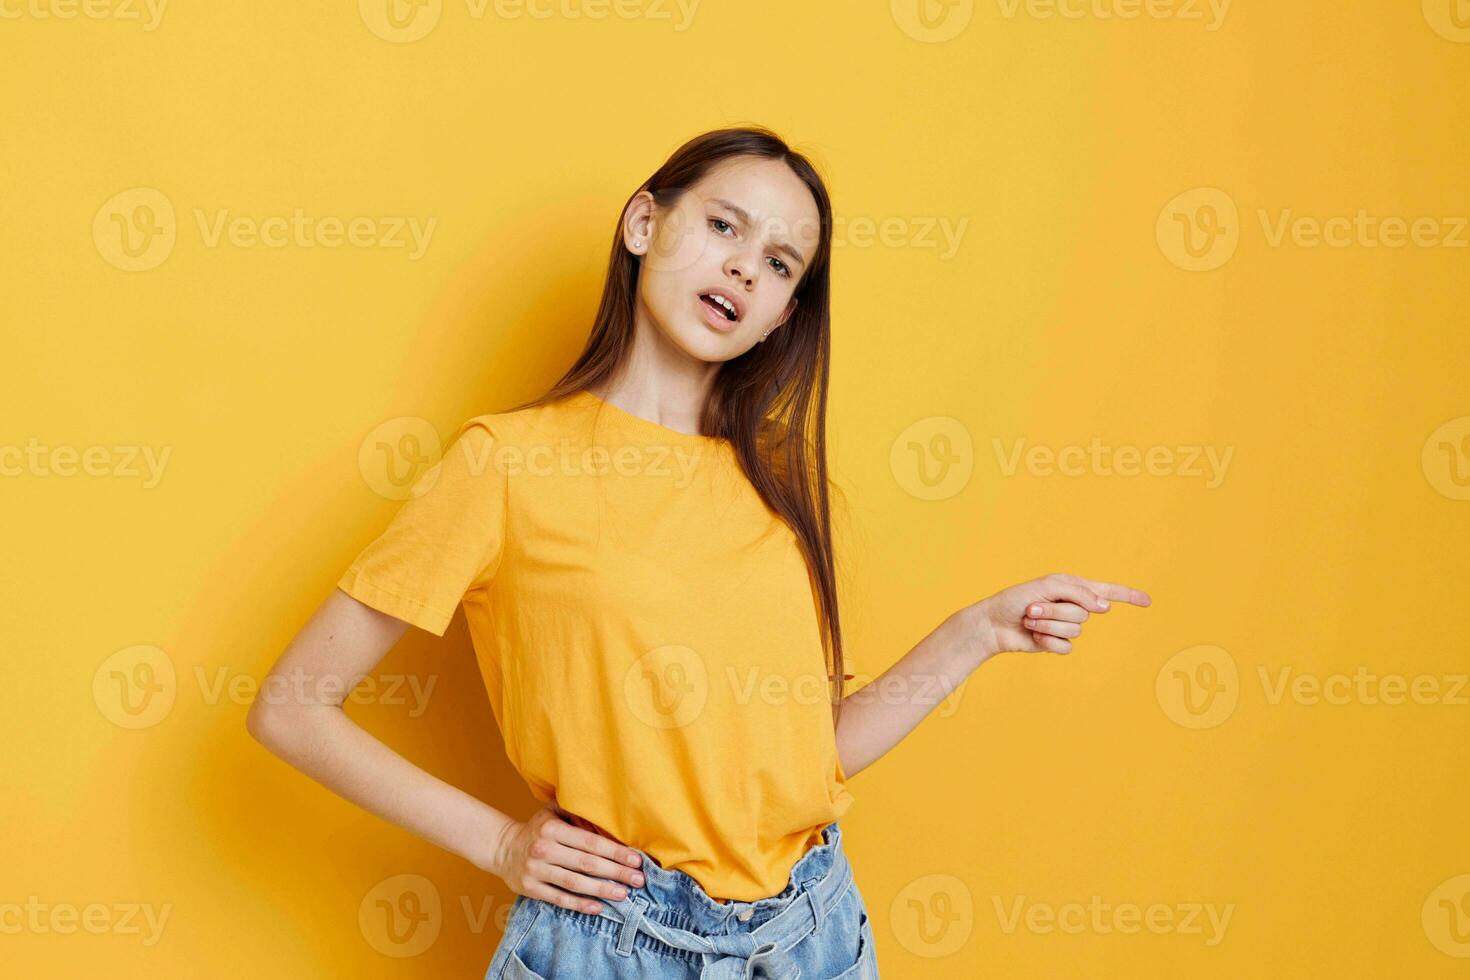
[(644, 557)]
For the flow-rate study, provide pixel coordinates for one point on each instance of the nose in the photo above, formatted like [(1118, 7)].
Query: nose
[(744, 266)]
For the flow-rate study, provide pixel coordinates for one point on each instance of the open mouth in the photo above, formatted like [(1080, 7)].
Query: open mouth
[(721, 304)]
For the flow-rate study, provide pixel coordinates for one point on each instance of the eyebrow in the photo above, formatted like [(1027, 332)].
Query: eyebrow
[(744, 216)]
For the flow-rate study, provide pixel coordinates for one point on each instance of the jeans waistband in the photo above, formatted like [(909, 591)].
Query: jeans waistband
[(816, 884)]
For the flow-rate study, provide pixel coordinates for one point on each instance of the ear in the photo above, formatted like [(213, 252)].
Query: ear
[(638, 224), (786, 315)]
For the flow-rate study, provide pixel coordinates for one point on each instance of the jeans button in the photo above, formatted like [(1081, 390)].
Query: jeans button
[(744, 915)]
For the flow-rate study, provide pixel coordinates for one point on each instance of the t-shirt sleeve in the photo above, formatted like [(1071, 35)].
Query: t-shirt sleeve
[(445, 540)]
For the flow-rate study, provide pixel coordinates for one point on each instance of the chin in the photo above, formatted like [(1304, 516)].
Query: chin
[(699, 341)]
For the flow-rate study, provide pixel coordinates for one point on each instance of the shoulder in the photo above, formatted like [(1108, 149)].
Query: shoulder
[(514, 429), (504, 425)]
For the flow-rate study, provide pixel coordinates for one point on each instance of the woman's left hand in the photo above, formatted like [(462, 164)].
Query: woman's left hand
[(1044, 614)]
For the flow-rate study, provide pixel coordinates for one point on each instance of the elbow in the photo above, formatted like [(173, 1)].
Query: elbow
[(264, 723), (284, 727), (256, 722)]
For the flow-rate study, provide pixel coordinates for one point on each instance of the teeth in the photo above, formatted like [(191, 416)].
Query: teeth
[(729, 306)]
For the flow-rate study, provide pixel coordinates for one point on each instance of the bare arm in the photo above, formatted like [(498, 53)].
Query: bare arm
[(298, 716), (879, 715), (1044, 614)]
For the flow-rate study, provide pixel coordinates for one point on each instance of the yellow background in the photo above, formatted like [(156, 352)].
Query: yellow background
[(1335, 540)]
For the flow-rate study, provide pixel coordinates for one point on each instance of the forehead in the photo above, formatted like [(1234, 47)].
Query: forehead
[(776, 199)]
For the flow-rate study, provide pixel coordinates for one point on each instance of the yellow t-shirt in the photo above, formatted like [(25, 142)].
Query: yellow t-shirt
[(646, 628)]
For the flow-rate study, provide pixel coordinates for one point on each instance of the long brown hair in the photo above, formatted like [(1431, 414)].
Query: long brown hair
[(771, 401)]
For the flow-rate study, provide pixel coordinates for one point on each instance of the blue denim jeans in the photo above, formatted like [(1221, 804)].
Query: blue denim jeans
[(816, 928)]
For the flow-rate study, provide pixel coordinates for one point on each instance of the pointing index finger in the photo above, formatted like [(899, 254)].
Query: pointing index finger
[(1119, 593)]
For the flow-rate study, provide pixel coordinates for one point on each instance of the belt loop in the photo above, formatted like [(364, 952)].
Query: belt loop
[(819, 915), (630, 928)]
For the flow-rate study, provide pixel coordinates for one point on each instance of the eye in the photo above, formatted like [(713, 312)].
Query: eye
[(782, 267), (719, 221)]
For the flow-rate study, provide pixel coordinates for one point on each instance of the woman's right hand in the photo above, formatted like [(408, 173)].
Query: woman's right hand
[(552, 860)]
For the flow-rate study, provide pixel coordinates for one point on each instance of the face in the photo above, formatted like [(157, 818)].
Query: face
[(720, 266)]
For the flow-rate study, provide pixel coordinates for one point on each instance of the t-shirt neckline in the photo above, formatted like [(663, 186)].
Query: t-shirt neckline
[(638, 422)]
